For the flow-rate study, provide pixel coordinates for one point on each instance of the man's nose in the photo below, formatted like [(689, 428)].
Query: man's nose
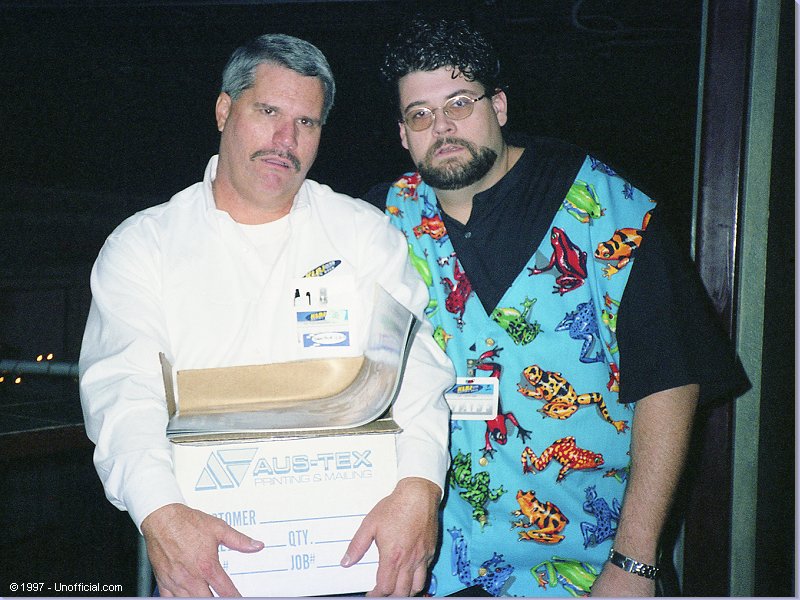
[(441, 122), (285, 135)]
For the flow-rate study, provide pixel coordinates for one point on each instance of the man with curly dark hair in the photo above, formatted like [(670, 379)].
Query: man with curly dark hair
[(554, 284)]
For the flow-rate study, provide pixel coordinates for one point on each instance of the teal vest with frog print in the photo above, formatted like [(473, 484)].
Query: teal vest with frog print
[(534, 493)]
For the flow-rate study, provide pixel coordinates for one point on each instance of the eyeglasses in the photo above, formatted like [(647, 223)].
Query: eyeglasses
[(456, 108)]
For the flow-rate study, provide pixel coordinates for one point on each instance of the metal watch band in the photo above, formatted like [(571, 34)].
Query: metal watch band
[(632, 566)]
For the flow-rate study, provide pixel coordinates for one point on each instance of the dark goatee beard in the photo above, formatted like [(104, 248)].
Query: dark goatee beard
[(456, 175)]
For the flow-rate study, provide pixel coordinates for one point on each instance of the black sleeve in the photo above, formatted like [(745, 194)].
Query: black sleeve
[(668, 331), (377, 195)]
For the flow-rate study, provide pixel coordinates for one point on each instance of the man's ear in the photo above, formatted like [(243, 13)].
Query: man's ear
[(403, 139), (500, 106), (222, 110)]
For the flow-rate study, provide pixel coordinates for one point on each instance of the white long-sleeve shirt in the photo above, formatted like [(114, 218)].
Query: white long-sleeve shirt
[(183, 278)]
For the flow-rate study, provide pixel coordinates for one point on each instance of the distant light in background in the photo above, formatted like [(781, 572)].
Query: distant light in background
[(19, 367)]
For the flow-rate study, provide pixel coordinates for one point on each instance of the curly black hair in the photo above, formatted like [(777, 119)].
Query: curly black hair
[(429, 44)]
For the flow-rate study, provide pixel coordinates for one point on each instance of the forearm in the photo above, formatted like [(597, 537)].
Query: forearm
[(122, 391), (132, 455), (420, 409), (134, 460), (660, 436)]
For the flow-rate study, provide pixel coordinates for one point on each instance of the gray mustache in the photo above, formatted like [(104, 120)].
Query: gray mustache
[(286, 155)]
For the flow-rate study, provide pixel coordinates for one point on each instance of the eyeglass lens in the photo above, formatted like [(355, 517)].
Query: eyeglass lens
[(457, 108)]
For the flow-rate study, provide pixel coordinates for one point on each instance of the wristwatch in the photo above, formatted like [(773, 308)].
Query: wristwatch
[(632, 566)]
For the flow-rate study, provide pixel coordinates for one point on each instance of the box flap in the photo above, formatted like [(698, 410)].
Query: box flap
[(379, 426), (254, 387), (169, 383)]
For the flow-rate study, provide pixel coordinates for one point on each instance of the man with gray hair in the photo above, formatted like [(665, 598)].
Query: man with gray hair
[(206, 278)]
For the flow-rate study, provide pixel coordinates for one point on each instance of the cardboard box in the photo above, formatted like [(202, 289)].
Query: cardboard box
[(293, 454), (303, 497)]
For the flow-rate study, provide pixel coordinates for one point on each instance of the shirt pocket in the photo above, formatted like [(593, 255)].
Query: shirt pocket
[(327, 311)]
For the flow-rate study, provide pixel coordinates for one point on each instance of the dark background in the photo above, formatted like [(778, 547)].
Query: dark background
[(108, 107)]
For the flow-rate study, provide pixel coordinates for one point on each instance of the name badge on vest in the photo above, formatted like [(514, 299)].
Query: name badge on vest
[(473, 398)]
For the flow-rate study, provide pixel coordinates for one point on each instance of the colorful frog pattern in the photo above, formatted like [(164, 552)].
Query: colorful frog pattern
[(561, 399), (395, 211), (497, 431), (568, 259), (621, 247), (492, 574), (582, 203), (574, 576), (432, 226), (550, 338), (608, 316), (613, 378), (441, 337), (476, 488), (496, 428), (606, 516), (458, 294), (406, 187), (620, 475), (541, 522), (519, 328), (581, 324), (564, 451), (420, 264)]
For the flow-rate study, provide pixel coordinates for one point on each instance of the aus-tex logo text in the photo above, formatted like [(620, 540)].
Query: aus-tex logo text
[(229, 468)]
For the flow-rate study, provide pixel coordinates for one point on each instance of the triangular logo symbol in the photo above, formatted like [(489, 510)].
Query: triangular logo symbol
[(225, 469)]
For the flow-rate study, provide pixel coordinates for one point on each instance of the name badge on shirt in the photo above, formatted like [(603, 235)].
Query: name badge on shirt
[(473, 398), (323, 328), (322, 313)]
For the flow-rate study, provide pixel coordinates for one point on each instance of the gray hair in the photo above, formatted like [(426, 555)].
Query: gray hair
[(295, 54)]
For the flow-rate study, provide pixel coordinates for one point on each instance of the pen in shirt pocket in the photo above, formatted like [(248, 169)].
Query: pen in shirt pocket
[(323, 269)]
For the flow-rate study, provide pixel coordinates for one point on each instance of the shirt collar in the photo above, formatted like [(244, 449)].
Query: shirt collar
[(489, 200), (208, 178)]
